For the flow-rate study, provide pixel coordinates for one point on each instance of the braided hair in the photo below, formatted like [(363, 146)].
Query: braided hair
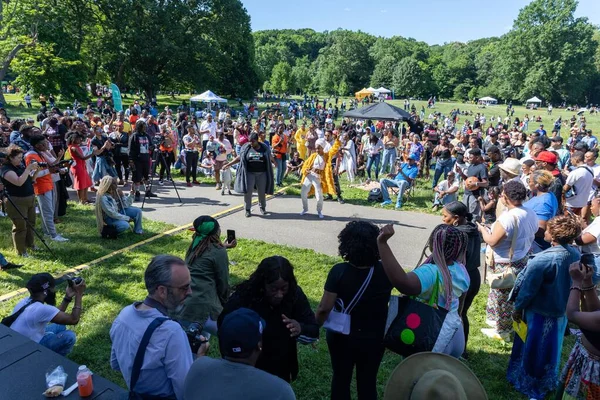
[(447, 245)]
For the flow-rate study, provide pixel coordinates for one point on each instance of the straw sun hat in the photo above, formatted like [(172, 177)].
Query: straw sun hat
[(425, 376)]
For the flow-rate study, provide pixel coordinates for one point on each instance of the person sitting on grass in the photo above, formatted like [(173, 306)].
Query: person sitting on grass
[(114, 208), (294, 165), (208, 165), (44, 323), (407, 173), (446, 191)]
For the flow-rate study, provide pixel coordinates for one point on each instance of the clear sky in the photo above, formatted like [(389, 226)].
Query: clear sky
[(432, 21)]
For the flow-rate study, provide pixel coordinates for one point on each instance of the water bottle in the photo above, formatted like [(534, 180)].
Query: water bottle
[(84, 381)]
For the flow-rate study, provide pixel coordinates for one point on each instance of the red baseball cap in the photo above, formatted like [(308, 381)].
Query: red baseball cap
[(547, 156)]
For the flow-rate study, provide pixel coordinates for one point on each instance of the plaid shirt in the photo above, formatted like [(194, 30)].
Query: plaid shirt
[(54, 138)]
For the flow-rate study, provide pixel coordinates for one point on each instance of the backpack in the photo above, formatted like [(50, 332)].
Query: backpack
[(8, 321), (375, 195)]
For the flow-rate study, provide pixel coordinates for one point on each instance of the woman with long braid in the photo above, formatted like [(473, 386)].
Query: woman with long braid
[(208, 263), (446, 268)]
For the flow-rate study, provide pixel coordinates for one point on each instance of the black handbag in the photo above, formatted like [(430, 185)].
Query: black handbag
[(417, 325), (109, 232)]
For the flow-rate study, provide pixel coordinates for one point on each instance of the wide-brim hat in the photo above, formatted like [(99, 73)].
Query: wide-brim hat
[(425, 376), (511, 166)]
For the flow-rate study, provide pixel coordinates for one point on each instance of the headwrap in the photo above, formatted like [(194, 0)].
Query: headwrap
[(204, 226), (321, 142)]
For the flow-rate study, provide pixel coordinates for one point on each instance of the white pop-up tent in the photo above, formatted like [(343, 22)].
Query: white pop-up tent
[(487, 100), (534, 100), (371, 89), (383, 90), (208, 97)]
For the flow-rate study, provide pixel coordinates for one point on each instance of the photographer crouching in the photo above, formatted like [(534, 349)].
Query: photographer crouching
[(38, 318), (145, 327)]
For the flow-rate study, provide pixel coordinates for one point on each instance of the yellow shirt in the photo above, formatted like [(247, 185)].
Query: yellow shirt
[(126, 127), (300, 138)]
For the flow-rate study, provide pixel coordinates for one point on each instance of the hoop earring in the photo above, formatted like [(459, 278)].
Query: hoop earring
[(455, 223)]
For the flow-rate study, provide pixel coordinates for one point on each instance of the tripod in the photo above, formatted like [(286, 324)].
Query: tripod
[(160, 159), (4, 194)]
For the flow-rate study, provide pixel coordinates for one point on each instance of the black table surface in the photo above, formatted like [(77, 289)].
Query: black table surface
[(23, 368)]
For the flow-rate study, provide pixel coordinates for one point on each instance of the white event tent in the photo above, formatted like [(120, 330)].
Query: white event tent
[(383, 90), (208, 97), (534, 100), (487, 100)]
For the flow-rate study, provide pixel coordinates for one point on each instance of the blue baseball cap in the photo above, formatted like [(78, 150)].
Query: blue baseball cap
[(240, 332), (413, 157)]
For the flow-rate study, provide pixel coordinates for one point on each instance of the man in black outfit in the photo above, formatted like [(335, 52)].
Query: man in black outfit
[(139, 159)]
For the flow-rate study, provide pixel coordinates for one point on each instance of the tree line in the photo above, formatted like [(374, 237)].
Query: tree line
[(60, 46), (548, 53)]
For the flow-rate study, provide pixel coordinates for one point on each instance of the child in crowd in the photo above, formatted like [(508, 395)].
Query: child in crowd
[(208, 164)]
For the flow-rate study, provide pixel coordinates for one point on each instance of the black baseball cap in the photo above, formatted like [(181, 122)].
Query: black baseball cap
[(240, 332), (556, 139), (40, 282)]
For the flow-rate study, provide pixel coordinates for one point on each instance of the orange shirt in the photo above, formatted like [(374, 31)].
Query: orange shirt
[(43, 182), (282, 141)]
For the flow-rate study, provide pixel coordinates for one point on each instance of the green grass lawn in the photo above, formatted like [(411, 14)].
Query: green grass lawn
[(85, 244), (118, 281)]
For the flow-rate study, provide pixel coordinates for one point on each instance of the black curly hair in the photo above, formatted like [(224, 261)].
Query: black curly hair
[(358, 243), (515, 191), (270, 269)]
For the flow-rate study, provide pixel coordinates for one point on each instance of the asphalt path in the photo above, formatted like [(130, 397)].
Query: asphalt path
[(283, 223)]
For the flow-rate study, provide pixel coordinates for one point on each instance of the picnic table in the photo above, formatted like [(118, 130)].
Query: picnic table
[(23, 367)]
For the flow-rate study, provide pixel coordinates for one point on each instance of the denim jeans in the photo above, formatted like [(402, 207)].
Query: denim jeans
[(103, 168), (388, 183), (280, 163), (389, 159), (442, 166), (58, 339), (3, 261), (373, 161), (122, 226)]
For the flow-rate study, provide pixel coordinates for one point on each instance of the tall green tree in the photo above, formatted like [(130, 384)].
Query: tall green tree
[(410, 79), (384, 72), (282, 79), (303, 72)]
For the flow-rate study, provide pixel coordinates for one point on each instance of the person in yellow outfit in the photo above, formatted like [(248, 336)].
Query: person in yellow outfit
[(300, 138), (317, 174)]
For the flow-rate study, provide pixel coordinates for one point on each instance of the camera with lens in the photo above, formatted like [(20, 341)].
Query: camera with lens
[(193, 330), (74, 281), (42, 164)]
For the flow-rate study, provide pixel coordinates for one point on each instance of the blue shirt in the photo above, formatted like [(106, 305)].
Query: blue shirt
[(544, 206), (168, 356), (541, 131), (409, 170), (591, 141), (563, 158), (428, 274)]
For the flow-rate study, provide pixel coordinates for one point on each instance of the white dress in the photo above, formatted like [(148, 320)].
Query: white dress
[(348, 163)]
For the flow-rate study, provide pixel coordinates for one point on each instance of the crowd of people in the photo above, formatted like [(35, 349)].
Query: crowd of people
[(529, 199)]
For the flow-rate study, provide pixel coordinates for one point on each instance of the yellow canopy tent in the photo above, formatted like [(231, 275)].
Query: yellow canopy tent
[(362, 94)]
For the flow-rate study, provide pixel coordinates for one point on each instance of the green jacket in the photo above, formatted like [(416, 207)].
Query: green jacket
[(210, 286)]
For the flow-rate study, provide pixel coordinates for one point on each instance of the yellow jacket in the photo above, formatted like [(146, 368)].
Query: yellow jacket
[(300, 138), (326, 174)]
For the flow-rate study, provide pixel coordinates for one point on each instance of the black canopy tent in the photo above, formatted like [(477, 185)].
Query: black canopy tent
[(379, 111)]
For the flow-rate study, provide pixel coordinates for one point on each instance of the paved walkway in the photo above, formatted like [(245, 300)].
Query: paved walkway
[(284, 225)]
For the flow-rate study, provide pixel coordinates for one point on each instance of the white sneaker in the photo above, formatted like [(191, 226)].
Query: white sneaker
[(2, 215), (321, 215), (161, 183), (492, 333), (59, 238), (304, 212)]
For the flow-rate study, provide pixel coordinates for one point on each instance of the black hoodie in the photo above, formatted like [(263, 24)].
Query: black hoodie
[(473, 245)]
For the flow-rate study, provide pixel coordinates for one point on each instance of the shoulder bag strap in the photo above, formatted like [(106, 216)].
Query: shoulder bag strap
[(139, 356), (360, 292), (513, 242), (19, 312)]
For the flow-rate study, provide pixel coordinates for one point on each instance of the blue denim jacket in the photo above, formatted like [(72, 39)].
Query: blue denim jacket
[(543, 286)]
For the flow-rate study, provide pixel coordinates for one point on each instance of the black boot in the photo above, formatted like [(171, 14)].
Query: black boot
[(150, 194)]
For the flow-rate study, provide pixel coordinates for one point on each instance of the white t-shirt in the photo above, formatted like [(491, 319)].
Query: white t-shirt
[(527, 227), (32, 323), (443, 185), (594, 230), (596, 170), (211, 126), (581, 179)]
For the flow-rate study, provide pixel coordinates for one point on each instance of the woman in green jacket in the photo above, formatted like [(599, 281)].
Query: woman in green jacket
[(209, 268)]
